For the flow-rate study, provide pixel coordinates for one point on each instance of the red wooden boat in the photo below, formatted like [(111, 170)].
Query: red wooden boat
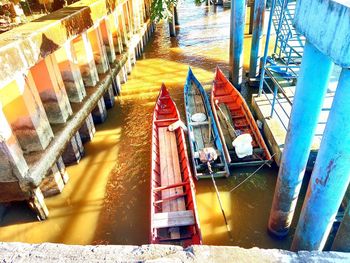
[(174, 217), (238, 117)]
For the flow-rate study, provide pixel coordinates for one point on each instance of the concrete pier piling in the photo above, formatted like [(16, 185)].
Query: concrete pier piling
[(98, 49), (68, 66), (311, 87), (123, 28), (13, 166), (258, 25), (37, 203), (238, 10), (99, 113), (342, 239), (51, 90), (107, 40), (87, 130), (52, 184), (62, 169), (55, 84), (85, 57), (118, 85), (128, 64), (330, 177), (326, 26), (108, 97), (29, 123), (114, 25), (123, 75), (74, 151)]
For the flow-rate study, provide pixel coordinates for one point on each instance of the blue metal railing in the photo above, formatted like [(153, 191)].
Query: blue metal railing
[(280, 70)]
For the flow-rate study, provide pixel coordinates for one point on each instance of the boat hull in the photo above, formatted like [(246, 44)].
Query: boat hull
[(171, 199), (224, 93), (197, 101)]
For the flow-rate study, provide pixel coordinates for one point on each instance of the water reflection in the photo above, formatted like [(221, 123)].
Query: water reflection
[(107, 198)]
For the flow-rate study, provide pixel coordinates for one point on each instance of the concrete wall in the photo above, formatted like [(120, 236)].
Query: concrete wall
[(47, 252), (54, 72)]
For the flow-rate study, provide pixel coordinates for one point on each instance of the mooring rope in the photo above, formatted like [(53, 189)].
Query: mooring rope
[(234, 188)]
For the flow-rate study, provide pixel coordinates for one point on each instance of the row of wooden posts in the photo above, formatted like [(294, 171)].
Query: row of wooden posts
[(49, 107)]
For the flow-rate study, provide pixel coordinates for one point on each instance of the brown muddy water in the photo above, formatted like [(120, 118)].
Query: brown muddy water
[(107, 199)]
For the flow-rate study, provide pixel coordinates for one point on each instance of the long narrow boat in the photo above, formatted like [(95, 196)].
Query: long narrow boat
[(203, 133), (174, 218), (232, 113)]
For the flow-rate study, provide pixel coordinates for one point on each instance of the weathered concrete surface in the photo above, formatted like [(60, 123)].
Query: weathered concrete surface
[(12, 191), (23, 46), (237, 254), (41, 162), (326, 24), (48, 252)]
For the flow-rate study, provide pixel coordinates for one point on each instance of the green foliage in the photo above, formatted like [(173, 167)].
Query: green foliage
[(161, 9), (198, 2)]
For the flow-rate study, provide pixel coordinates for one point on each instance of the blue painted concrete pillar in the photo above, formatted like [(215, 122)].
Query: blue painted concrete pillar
[(310, 91), (331, 175), (258, 26), (238, 10), (342, 239)]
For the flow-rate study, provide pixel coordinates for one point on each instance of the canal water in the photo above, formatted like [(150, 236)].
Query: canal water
[(107, 200)]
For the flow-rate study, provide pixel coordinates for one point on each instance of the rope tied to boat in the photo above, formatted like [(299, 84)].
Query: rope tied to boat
[(266, 162), (208, 155)]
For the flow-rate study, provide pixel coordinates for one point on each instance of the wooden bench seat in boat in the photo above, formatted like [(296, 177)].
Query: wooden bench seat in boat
[(173, 219), (172, 198), (199, 123), (166, 120)]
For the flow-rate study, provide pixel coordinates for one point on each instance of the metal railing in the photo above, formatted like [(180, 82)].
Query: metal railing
[(280, 70)]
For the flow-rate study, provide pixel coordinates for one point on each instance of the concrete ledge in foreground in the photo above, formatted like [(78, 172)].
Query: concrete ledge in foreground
[(48, 252)]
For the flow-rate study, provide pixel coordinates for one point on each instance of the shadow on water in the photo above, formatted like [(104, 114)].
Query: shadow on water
[(20, 214)]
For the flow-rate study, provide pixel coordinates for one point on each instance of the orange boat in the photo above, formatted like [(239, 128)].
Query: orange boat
[(174, 218), (233, 117)]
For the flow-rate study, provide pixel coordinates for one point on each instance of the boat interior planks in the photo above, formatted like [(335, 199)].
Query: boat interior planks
[(170, 175), (233, 117), (174, 217)]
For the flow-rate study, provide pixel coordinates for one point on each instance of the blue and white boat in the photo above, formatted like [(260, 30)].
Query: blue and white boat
[(202, 130)]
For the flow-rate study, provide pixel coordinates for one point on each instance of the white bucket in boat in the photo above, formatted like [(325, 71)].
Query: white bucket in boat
[(199, 117), (243, 145)]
